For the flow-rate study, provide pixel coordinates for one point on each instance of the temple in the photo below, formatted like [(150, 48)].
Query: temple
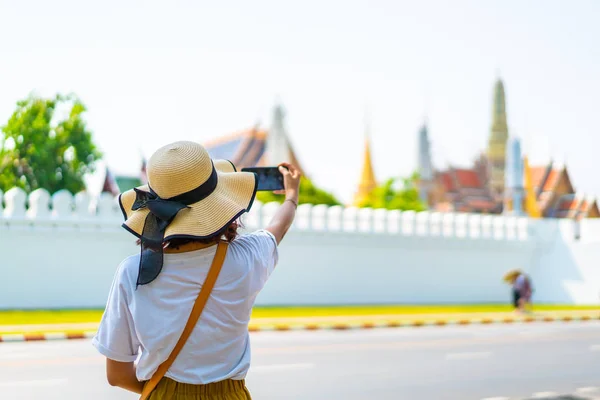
[(256, 147), (501, 180), (253, 147)]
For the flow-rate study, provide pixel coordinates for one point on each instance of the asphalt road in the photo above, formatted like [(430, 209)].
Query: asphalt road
[(437, 363)]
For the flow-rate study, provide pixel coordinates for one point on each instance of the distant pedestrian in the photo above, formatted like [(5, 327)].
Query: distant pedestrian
[(522, 289), (186, 223)]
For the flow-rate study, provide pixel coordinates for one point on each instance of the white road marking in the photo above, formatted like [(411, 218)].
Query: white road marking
[(587, 389), (45, 382), (281, 367), (55, 336), (496, 398), (595, 347), (543, 395), (13, 337), (468, 356)]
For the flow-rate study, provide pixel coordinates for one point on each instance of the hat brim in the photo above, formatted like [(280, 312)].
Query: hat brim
[(511, 275), (233, 196)]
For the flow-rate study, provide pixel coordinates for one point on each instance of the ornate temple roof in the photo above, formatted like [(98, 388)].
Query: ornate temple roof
[(244, 149), (575, 206), (253, 147), (468, 178), (447, 181), (256, 147), (465, 190), (548, 191), (247, 148)]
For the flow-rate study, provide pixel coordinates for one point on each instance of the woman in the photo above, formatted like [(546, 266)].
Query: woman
[(522, 292), (521, 289), (186, 222)]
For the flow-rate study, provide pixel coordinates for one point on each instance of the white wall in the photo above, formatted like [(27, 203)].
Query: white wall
[(63, 251), (568, 271)]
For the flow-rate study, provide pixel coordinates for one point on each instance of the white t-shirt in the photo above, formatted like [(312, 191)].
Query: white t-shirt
[(148, 321), (520, 282)]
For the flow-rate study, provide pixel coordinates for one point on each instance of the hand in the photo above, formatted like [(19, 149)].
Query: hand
[(284, 216), (291, 181)]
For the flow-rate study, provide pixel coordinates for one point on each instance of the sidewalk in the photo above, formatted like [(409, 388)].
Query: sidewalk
[(342, 322)]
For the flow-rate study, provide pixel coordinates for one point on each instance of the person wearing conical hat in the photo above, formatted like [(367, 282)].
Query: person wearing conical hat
[(521, 288), (181, 307), (511, 275)]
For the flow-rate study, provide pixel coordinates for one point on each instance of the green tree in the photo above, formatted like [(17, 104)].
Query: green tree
[(391, 197), (309, 194), (42, 148)]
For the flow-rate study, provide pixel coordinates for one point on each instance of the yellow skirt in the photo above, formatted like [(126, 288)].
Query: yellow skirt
[(168, 389)]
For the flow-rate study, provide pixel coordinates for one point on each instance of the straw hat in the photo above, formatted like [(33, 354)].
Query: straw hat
[(188, 196), (218, 193), (511, 275)]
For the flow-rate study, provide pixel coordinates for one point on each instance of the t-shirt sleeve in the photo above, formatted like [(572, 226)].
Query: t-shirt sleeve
[(116, 338), (263, 256), (519, 282)]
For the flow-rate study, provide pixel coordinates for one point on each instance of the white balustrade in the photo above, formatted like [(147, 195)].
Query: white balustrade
[(522, 228), (302, 220), (474, 223), (39, 204), (403, 252), (334, 218), (379, 220), (510, 230), (319, 217), (349, 219), (486, 227), (393, 222), (62, 205), (408, 221), (422, 223), (15, 199), (107, 207), (461, 225), (83, 206), (365, 220), (499, 227), (436, 224), (448, 225), (14, 204)]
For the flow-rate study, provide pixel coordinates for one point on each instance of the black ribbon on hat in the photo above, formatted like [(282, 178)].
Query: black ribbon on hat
[(161, 213)]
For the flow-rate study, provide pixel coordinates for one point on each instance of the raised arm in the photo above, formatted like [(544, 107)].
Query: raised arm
[(284, 216)]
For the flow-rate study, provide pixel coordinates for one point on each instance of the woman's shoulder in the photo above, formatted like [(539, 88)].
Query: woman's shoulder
[(127, 270), (260, 238)]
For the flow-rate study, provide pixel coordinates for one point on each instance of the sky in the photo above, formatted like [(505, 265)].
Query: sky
[(154, 72)]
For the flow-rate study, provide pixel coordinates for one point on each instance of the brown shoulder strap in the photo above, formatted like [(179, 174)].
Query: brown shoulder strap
[(211, 278)]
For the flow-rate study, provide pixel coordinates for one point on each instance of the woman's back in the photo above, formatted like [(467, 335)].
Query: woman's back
[(153, 316), (191, 201)]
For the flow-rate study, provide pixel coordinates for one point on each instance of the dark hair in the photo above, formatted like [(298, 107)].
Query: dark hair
[(229, 233)]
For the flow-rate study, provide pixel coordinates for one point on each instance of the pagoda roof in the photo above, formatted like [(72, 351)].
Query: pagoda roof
[(468, 178), (574, 206), (243, 149), (246, 148)]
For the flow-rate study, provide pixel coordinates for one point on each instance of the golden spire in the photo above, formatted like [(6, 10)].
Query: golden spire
[(531, 205), (367, 179)]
